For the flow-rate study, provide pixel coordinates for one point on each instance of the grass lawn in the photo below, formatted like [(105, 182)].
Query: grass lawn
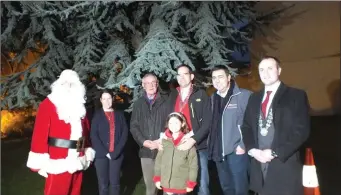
[(17, 179)]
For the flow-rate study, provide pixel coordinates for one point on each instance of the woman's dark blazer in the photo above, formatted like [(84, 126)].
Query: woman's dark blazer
[(100, 134)]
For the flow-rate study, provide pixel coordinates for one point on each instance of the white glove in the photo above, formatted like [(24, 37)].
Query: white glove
[(45, 164), (43, 173), (108, 155), (74, 165), (90, 154), (158, 185), (83, 163)]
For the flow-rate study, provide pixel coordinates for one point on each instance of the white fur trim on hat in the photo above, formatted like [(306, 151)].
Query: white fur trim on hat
[(69, 75)]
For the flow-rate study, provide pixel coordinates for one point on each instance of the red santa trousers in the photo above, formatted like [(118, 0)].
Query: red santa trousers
[(63, 184)]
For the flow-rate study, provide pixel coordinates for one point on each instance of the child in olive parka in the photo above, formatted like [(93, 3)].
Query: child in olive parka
[(175, 170)]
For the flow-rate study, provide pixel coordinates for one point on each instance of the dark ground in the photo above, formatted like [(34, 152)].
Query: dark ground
[(17, 179)]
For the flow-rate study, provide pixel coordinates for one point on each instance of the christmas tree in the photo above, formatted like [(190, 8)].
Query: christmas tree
[(116, 42)]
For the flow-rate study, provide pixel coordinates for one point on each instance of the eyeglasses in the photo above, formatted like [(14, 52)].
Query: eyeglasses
[(154, 83)]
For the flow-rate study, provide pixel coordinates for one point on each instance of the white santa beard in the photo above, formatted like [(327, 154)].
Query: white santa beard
[(70, 108), (76, 133), (69, 103)]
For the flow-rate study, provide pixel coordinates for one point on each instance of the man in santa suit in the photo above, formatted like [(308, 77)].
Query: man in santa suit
[(60, 149)]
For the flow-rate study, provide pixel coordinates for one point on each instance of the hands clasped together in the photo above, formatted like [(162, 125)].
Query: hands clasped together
[(152, 145), (262, 156), (186, 144)]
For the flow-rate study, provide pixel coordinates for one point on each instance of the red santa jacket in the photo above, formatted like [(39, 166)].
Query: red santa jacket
[(54, 160)]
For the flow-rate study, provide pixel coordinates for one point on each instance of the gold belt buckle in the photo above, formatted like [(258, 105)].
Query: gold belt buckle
[(80, 144)]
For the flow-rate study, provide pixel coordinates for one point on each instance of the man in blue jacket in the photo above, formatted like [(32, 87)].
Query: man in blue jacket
[(225, 146)]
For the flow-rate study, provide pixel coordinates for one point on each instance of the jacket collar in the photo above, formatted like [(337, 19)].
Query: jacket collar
[(273, 88), (236, 90), (158, 96), (146, 97), (194, 88), (175, 141), (276, 99), (281, 88)]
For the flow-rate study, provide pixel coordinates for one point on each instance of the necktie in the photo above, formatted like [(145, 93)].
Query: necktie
[(265, 103)]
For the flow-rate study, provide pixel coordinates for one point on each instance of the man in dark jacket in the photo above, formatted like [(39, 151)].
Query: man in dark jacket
[(147, 122), (226, 147), (276, 124), (194, 104)]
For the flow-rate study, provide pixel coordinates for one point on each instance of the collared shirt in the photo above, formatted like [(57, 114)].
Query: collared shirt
[(272, 88), (151, 99), (184, 94), (184, 109), (223, 94)]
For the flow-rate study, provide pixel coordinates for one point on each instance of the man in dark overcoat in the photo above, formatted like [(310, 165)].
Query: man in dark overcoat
[(276, 124)]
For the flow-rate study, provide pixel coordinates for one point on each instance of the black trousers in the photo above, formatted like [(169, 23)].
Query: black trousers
[(108, 175)]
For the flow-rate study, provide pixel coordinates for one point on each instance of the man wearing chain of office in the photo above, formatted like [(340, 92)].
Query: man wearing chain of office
[(276, 124)]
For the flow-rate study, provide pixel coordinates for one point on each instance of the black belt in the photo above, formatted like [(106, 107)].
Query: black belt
[(64, 143)]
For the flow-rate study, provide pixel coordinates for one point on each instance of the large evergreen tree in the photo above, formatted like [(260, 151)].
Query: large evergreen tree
[(93, 37)]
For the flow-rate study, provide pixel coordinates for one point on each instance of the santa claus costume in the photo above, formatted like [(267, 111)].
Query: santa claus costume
[(60, 149)]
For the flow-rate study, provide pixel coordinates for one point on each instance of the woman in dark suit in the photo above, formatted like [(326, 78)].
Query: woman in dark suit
[(109, 134)]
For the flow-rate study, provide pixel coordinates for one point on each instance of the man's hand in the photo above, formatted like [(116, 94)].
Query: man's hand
[(158, 143), (267, 154), (257, 154), (239, 150), (158, 185), (186, 143), (149, 144)]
